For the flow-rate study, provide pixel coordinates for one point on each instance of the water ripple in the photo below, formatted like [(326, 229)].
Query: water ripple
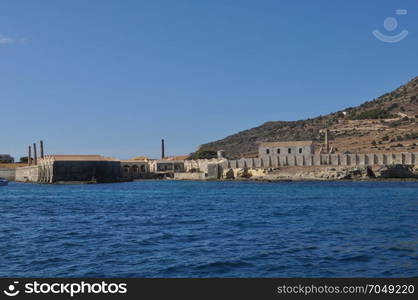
[(210, 229)]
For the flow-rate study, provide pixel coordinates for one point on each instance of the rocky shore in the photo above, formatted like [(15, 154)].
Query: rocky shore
[(387, 172)]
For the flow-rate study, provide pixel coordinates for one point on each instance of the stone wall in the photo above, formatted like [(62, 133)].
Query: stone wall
[(156, 166), (8, 173), (190, 176), (68, 171), (28, 174), (101, 171), (204, 165), (265, 151), (135, 169), (363, 159)]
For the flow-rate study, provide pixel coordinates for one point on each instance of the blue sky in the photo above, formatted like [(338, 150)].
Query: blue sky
[(114, 77)]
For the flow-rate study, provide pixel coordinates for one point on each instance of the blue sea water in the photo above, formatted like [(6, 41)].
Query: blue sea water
[(210, 229)]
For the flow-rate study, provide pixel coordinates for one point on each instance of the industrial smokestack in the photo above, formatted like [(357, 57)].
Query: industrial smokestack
[(41, 145), (35, 155), (29, 155), (326, 141), (162, 149)]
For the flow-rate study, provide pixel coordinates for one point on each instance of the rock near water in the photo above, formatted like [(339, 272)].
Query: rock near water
[(397, 171), (323, 173)]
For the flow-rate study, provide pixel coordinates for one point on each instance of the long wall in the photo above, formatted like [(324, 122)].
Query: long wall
[(365, 159), (213, 168), (190, 176), (27, 174), (362, 159), (8, 173), (67, 171)]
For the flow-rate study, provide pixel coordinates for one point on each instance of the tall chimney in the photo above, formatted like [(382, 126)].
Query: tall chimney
[(162, 149), (41, 145), (29, 156), (35, 156), (326, 141)]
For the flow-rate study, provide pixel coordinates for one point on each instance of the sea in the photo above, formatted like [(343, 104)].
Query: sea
[(210, 229)]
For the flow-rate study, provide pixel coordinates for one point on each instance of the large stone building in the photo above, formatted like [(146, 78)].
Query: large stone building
[(71, 168), (269, 149)]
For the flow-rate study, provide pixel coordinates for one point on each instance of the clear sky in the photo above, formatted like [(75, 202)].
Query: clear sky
[(114, 77)]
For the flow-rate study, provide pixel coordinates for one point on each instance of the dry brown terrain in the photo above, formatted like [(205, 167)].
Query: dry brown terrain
[(395, 135), (12, 166), (388, 123)]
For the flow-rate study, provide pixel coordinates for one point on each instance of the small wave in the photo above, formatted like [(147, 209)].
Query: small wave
[(224, 266), (361, 258), (402, 249)]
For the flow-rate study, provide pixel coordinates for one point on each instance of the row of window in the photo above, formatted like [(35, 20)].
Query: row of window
[(289, 150), (169, 167), (135, 168)]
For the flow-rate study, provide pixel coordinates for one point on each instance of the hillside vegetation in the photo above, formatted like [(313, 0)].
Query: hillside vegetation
[(388, 123)]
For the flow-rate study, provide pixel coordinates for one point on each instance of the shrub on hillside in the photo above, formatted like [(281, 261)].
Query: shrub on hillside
[(205, 154), (373, 114), (393, 106)]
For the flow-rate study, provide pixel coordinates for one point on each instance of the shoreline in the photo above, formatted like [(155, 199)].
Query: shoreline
[(231, 180), (387, 173), (293, 180)]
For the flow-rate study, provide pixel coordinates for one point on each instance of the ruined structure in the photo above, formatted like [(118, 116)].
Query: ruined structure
[(91, 168), (135, 169), (270, 149), (273, 156), (213, 168), (71, 168), (166, 166), (337, 159)]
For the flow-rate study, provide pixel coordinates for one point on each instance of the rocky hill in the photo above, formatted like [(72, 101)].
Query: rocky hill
[(386, 123)]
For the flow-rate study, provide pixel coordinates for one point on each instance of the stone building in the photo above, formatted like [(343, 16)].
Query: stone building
[(71, 168), (135, 169), (269, 149), (6, 159), (166, 166)]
